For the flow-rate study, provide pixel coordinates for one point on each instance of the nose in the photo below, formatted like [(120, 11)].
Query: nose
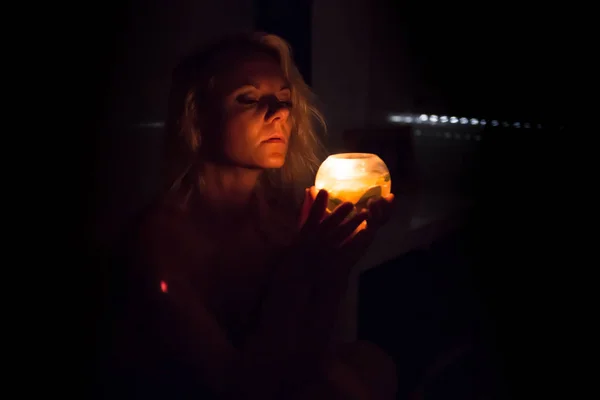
[(277, 111)]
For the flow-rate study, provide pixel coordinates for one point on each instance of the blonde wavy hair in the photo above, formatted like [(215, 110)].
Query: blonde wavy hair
[(192, 81)]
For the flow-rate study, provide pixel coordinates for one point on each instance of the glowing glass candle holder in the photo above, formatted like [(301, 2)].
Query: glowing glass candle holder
[(353, 177)]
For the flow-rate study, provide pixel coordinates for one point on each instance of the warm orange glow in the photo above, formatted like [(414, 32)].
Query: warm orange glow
[(163, 287), (353, 177)]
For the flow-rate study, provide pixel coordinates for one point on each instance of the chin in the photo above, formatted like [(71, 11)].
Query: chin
[(274, 161)]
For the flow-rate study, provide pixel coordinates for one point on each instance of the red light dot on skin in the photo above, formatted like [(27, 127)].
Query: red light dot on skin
[(163, 286)]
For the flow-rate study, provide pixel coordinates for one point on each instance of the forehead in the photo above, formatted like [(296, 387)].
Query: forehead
[(255, 69)]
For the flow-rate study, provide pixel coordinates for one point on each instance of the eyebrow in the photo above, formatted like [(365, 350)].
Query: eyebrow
[(285, 86)]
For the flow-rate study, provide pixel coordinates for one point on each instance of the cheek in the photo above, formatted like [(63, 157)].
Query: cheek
[(240, 132)]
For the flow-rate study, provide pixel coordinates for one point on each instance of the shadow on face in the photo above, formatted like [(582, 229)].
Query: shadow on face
[(251, 117)]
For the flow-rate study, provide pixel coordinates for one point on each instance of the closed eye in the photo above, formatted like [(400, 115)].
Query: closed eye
[(251, 100), (246, 99)]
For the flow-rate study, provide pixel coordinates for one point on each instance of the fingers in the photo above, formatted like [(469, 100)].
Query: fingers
[(340, 235), (388, 205), (380, 211), (306, 205), (375, 212), (317, 211), (338, 216), (337, 230)]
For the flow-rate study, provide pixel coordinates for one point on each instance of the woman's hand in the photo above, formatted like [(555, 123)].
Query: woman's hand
[(312, 273), (323, 234), (297, 272), (321, 238), (332, 278), (379, 211)]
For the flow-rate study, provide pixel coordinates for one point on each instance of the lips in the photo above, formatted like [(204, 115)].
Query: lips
[(277, 138)]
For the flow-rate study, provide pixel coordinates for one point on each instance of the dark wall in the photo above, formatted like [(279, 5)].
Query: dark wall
[(292, 21), (149, 38), (155, 37), (341, 48), (364, 59), (494, 60)]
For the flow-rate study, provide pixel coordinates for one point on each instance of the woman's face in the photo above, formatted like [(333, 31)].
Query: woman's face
[(254, 102)]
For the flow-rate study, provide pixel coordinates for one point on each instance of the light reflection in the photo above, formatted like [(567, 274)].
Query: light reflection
[(424, 119)]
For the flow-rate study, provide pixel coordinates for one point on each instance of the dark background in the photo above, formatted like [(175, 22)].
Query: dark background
[(494, 59), (366, 59)]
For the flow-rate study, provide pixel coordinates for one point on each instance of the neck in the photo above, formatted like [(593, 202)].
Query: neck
[(227, 189)]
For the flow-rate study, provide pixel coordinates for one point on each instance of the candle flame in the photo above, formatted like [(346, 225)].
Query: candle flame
[(352, 176)]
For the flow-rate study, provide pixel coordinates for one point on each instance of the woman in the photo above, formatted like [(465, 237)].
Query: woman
[(242, 269)]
